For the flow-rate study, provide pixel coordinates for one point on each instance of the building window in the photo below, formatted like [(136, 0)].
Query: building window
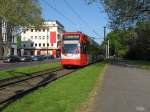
[(35, 30), (32, 52), (47, 44), (24, 45), (35, 37), (39, 44), (58, 37), (35, 44), (43, 44), (43, 30), (31, 37), (24, 38), (31, 44), (13, 39), (31, 30), (39, 37), (43, 37), (39, 30)]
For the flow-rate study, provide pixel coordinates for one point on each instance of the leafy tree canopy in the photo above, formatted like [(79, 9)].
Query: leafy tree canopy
[(16, 13), (132, 43), (20, 12), (124, 13)]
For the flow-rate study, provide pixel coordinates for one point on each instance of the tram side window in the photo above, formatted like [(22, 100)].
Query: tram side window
[(84, 48), (81, 47), (88, 48)]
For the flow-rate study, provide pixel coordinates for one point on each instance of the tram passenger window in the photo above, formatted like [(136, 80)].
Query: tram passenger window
[(83, 48)]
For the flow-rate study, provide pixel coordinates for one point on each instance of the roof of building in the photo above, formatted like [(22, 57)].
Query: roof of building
[(55, 21)]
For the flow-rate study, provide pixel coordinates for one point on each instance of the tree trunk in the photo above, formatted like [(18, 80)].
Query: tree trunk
[(7, 46), (7, 49), (1, 41), (1, 52)]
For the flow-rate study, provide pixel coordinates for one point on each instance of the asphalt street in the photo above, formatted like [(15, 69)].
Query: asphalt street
[(124, 89), (4, 66)]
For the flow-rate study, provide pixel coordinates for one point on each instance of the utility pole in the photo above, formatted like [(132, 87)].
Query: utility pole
[(105, 44), (47, 41), (104, 33), (108, 49)]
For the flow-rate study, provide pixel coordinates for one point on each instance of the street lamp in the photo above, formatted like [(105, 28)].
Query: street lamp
[(47, 41), (106, 44)]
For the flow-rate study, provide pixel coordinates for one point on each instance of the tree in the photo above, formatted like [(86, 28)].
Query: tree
[(124, 13), (130, 23), (120, 40), (131, 43), (140, 47), (17, 13)]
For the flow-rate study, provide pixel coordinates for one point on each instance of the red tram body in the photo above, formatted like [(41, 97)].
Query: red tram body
[(77, 49)]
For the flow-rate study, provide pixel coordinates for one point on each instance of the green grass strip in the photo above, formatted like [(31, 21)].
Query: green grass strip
[(63, 95), (27, 69), (140, 63)]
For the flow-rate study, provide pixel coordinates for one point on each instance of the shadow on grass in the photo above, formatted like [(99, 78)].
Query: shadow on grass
[(21, 93), (15, 74)]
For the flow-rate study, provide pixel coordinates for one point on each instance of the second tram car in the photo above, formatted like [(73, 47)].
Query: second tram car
[(77, 49)]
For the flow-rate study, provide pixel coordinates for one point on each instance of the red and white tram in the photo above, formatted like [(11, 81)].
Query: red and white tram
[(77, 49)]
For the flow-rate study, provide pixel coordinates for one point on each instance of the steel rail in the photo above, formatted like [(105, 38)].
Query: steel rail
[(44, 79), (16, 79)]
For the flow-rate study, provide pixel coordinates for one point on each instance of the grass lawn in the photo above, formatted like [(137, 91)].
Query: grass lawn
[(28, 69), (63, 95), (143, 64)]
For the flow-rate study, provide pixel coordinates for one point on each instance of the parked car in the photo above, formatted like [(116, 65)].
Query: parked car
[(49, 57), (37, 58), (11, 59), (26, 58)]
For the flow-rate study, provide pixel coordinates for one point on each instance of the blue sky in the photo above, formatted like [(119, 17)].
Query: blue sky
[(93, 16)]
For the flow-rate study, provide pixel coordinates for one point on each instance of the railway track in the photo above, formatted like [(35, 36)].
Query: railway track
[(13, 88), (16, 79)]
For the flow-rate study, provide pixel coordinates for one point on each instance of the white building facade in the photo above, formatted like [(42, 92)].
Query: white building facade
[(42, 41)]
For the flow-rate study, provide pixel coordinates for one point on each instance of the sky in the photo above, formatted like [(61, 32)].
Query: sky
[(90, 19)]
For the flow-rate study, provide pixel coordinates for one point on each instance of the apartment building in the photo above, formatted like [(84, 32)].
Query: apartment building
[(42, 41)]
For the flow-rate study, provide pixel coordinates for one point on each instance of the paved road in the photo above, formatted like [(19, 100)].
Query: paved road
[(125, 89), (22, 64)]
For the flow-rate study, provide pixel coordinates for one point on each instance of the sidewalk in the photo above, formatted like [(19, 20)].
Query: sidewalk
[(124, 89)]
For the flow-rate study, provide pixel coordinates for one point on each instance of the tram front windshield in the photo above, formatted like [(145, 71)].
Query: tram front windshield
[(70, 48)]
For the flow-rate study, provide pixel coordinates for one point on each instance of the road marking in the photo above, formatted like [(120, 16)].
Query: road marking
[(140, 108)]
